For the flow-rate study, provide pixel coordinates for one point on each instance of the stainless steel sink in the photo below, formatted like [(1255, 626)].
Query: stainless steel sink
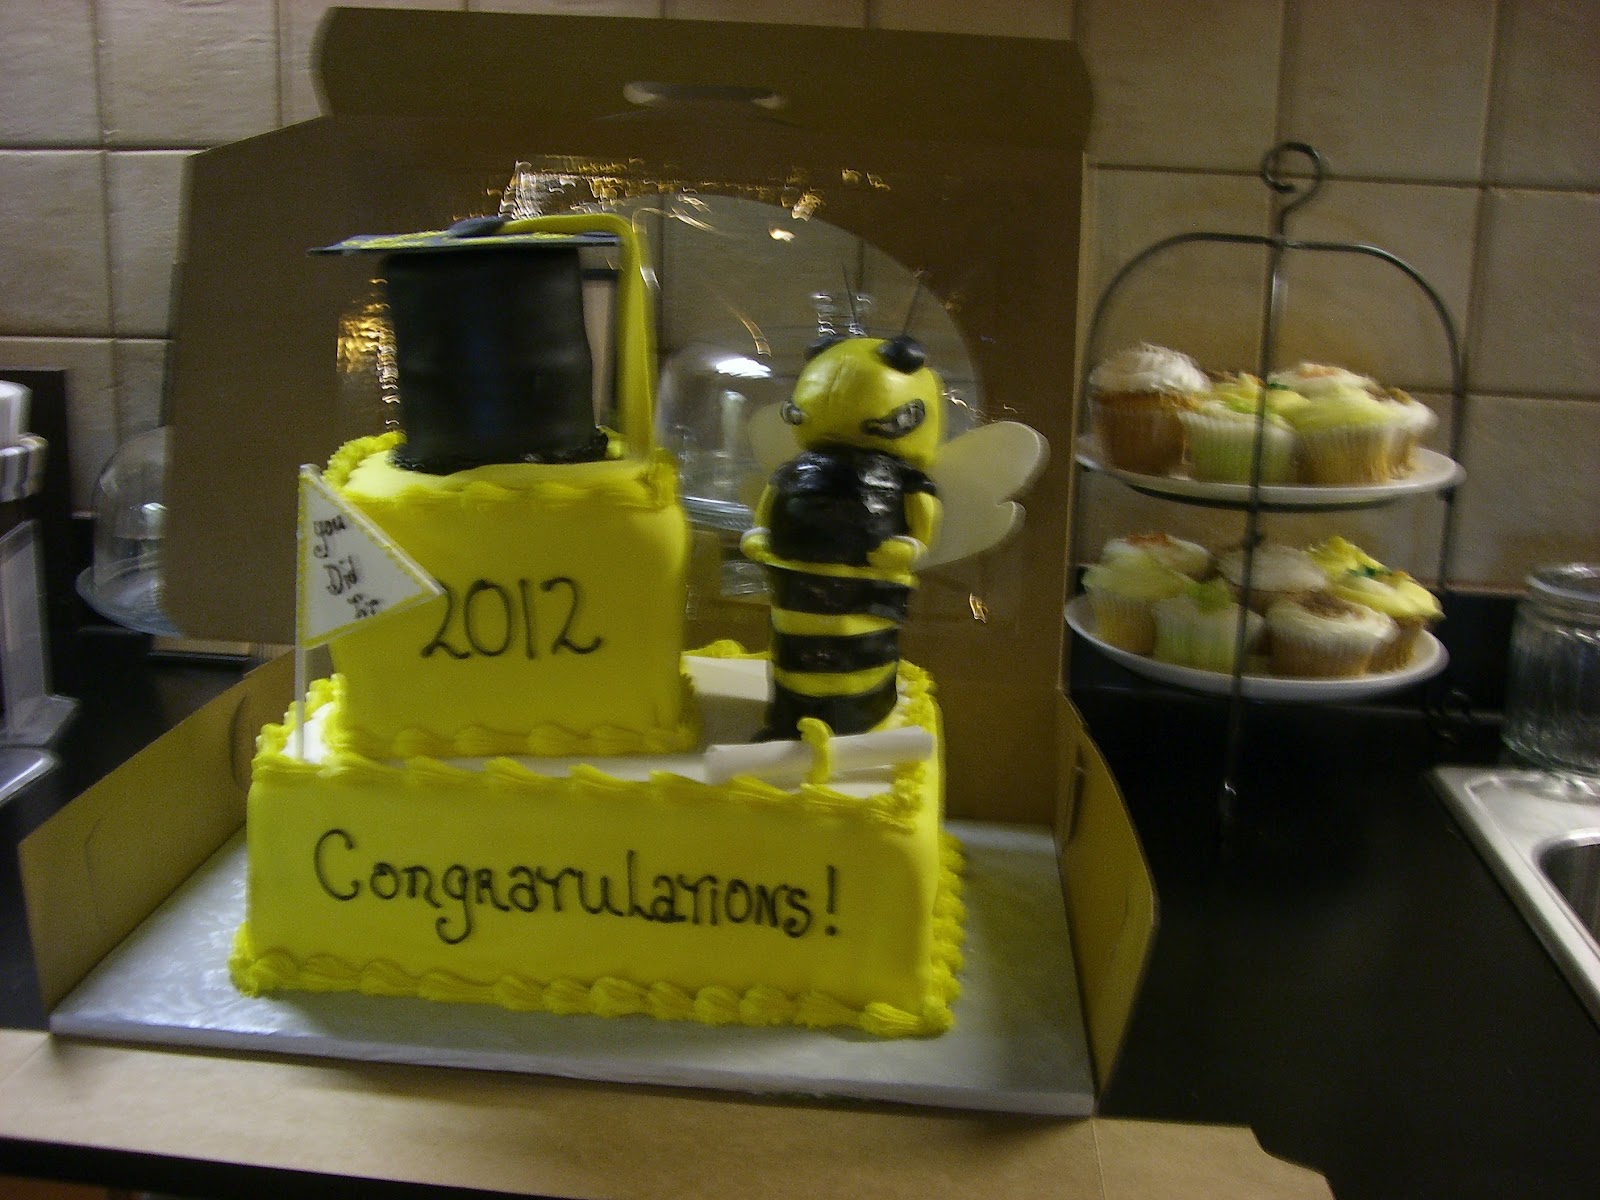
[(1541, 835)]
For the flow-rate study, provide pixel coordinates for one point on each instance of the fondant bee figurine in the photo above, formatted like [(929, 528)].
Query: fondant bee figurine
[(841, 526)]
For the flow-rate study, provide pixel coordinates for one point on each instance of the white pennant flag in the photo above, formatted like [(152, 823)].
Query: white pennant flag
[(349, 570)]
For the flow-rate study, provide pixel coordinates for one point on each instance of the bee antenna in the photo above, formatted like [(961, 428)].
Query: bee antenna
[(911, 308), (850, 298)]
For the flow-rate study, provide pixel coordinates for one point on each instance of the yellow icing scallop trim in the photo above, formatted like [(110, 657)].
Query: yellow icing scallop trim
[(256, 972), (896, 807), (649, 484), (549, 740)]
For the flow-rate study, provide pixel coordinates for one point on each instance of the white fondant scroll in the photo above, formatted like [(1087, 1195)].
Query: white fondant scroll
[(788, 762)]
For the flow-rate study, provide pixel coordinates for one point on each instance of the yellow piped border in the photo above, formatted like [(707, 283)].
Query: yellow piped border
[(896, 807), (256, 973), (649, 484), (549, 740)]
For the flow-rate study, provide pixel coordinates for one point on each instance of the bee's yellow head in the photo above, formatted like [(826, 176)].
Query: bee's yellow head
[(870, 393)]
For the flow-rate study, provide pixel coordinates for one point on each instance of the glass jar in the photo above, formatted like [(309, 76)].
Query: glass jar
[(1552, 714)]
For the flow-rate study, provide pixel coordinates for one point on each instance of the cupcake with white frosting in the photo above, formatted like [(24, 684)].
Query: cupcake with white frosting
[(1188, 558), (1321, 636), (1277, 572), (1135, 398), (1315, 380), (1417, 421)]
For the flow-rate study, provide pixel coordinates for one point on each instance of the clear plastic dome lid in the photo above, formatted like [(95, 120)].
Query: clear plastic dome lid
[(125, 581)]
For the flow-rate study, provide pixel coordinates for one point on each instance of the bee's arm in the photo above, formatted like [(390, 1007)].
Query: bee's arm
[(923, 514), (754, 542), (900, 554)]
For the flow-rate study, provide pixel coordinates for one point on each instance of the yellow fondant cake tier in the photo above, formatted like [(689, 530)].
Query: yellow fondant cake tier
[(623, 886), (560, 631)]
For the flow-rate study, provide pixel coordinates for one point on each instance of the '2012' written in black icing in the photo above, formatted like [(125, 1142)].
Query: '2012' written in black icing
[(491, 619)]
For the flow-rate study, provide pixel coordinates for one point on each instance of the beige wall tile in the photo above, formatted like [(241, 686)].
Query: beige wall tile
[(53, 276), (141, 380), (1016, 18), (298, 23), (145, 199), (1537, 326), (187, 74), (1397, 91), (47, 64), (780, 12), (1204, 299), (1530, 495), (1188, 85), (1363, 313), (1543, 125), (91, 400)]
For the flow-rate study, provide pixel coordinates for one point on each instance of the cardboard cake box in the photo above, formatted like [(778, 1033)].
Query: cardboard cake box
[(917, 191)]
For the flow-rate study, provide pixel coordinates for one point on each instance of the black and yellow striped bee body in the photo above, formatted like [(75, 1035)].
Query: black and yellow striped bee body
[(839, 528)]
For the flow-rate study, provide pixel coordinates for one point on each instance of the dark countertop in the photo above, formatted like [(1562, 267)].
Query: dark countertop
[(1334, 966)]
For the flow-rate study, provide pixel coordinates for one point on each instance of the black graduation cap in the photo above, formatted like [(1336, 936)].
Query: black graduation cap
[(493, 359)]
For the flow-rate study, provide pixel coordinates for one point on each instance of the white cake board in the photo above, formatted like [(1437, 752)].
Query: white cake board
[(1018, 1044)]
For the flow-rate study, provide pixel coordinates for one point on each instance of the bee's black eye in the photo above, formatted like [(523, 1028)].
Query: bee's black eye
[(905, 354)]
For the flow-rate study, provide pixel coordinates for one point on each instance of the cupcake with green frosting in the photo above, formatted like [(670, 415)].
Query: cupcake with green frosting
[(1355, 576), (1222, 430), (1346, 436), (1200, 628), (1122, 592)]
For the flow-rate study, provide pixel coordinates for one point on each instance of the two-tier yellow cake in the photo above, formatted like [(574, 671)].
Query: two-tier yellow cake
[(510, 794)]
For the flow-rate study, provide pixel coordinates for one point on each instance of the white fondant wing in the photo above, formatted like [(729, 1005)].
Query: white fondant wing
[(978, 474)]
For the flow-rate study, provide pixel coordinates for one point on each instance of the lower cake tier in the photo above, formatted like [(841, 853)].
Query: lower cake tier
[(613, 887)]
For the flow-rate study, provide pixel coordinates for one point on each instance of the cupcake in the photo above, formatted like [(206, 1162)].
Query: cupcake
[(1356, 576), (1222, 430), (1321, 636), (1189, 558), (1417, 421), (1122, 591), (1315, 380), (1200, 628), (1346, 436), (1136, 396), (1277, 572)]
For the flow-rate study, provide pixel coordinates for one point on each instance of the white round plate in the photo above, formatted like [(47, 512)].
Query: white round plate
[(1431, 472), (1427, 660)]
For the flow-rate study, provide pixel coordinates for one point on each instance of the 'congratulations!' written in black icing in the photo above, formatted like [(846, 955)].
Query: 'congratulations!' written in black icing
[(458, 893), (527, 617)]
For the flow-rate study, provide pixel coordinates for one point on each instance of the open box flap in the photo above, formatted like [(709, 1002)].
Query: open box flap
[(901, 84), (103, 864), (1111, 899)]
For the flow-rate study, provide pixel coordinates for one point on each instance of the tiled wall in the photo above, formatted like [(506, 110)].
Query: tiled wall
[(1463, 137)]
